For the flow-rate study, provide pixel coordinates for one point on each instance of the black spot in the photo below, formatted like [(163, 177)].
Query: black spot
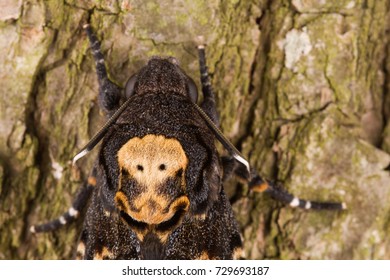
[(125, 172), (140, 167), (162, 167), (179, 173)]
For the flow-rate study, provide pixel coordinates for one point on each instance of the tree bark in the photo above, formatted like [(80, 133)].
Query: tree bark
[(302, 89)]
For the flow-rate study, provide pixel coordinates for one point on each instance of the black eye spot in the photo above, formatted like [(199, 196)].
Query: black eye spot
[(162, 167), (140, 167), (125, 172)]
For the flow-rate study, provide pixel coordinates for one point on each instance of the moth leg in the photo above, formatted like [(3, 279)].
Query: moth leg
[(208, 105), (73, 212), (109, 92), (276, 191)]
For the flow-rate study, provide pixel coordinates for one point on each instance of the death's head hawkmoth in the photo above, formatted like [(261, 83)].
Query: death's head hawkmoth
[(156, 189)]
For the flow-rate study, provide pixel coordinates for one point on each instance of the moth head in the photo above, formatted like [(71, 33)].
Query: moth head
[(151, 197), (162, 75)]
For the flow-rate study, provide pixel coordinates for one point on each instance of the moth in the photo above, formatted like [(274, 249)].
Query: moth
[(156, 189)]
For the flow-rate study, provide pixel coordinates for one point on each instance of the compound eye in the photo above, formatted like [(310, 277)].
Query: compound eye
[(129, 88), (192, 90)]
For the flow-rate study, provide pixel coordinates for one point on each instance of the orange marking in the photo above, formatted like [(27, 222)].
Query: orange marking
[(160, 212), (80, 251), (237, 253), (203, 256), (151, 160), (92, 181), (260, 188), (104, 254)]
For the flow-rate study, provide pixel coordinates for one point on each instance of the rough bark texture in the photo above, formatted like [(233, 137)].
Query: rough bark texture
[(303, 89)]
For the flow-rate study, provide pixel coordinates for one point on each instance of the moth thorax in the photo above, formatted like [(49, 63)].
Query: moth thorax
[(152, 190)]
